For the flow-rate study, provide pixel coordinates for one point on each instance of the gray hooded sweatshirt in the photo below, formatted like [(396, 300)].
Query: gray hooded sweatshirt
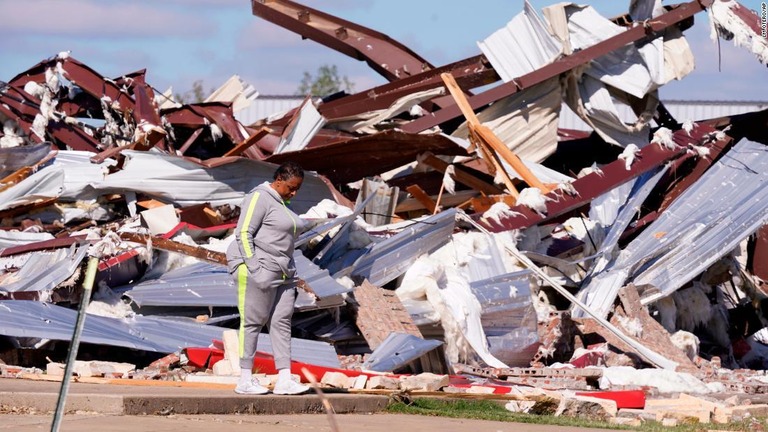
[(265, 237)]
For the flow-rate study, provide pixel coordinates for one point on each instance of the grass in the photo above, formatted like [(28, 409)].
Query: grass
[(495, 411)]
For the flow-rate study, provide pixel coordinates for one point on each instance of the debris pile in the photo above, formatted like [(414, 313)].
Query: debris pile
[(452, 232)]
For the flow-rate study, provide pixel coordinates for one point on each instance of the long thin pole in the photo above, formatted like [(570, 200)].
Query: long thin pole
[(90, 275)]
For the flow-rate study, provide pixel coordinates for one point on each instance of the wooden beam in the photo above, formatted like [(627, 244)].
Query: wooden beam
[(173, 246), (472, 122), (510, 157), (422, 197), (461, 176), (492, 159), (248, 142), (486, 135)]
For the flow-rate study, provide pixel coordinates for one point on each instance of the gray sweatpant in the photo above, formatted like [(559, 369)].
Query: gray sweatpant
[(262, 304)]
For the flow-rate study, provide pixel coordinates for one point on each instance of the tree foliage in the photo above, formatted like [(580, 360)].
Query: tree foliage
[(325, 82), (195, 95)]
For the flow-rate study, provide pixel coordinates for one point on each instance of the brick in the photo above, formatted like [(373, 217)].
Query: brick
[(358, 383), (224, 368), (382, 382), (424, 381), (624, 421), (586, 407), (380, 313), (337, 380), (231, 348)]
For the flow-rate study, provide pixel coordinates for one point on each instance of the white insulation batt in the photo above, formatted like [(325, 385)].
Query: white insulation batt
[(724, 23), (665, 381), (438, 287)]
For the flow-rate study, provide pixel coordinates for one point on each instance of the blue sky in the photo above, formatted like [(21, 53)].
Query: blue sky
[(180, 41)]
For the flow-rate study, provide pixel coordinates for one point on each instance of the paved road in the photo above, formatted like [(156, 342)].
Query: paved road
[(272, 423), (27, 405)]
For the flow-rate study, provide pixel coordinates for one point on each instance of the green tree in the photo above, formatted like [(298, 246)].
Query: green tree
[(196, 95), (326, 82)]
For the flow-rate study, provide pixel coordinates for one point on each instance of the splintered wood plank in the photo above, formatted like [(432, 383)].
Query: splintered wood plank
[(417, 192)]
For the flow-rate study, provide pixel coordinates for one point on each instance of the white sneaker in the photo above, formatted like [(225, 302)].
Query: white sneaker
[(250, 388), (289, 387)]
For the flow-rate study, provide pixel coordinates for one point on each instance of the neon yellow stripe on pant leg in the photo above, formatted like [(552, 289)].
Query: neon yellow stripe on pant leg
[(242, 282)]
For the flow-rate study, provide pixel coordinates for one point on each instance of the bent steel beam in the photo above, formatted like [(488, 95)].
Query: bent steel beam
[(562, 65), (595, 184), (469, 73), (386, 56)]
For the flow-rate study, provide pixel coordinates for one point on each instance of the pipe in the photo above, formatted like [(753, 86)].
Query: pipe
[(90, 275)]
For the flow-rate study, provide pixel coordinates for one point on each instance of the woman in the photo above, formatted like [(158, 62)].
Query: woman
[(261, 261)]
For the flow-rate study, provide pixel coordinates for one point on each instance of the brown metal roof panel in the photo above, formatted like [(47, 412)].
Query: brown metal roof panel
[(351, 160), (83, 76), (595, 184), (196, 115)]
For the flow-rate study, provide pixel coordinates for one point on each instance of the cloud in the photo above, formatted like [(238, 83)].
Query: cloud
[(99, 19), (262, 34)]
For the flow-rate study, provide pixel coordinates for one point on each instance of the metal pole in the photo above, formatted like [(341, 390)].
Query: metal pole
[(90, 275)]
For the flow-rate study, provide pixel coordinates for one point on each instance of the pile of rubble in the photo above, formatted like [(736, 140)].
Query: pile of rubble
[(449, 227)]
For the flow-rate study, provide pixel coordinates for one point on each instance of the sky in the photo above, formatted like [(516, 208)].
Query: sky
[(182, 41)]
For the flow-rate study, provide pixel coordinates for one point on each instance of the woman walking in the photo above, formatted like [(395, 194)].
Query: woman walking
[(261, 261)]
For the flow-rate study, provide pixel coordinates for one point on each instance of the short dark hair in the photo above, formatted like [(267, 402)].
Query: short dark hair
[(288, 170)]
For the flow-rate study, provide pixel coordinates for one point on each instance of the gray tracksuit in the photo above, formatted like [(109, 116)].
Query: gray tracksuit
[(261, 261)]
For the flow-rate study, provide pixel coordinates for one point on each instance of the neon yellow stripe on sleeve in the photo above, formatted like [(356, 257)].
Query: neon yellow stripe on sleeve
[(246, 224)]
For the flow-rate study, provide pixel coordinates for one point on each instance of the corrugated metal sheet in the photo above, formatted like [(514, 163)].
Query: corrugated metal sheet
[(15, 158), (586, 27), (545, 174), (265, 106), (384, 261), (508, 317), (17, 238), (41, 271), (206, 284), (605, 282), (522, 46), (183, 182), (20, 318), (505, 300), (304, 126), (729, 203), (700, 110), (681, 110), (397, 350)]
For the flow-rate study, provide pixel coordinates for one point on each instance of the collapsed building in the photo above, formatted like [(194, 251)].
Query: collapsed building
[(452, 231)]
